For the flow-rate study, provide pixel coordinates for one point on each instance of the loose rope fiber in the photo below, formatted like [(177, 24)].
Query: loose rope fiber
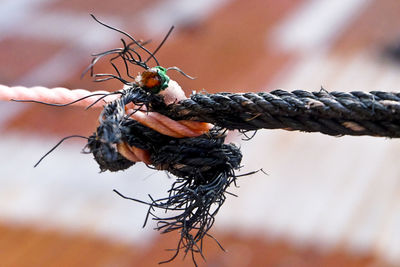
[(375, 113)]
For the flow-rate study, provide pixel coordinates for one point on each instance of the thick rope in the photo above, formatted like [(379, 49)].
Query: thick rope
[(375, 113), (334, 113)]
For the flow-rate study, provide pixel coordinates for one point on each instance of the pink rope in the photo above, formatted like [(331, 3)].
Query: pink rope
[(56, 95), (154, 120)]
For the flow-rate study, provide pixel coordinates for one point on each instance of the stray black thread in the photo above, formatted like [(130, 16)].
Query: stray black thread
[(104, 95), (59, 143), (130, 56)]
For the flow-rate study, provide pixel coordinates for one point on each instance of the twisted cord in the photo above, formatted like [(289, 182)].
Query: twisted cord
[(56, 95), (373, 113), (334, 113)]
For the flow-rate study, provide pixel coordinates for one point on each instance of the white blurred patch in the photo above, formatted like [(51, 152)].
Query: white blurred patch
[(66, 191), (13, 12), (316, 23), (159, 18), (324, 191)]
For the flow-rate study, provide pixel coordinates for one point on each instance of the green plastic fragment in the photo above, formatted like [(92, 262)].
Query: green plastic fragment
[(164, 78)]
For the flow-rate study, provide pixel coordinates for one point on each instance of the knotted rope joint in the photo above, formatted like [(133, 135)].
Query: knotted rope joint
[(204, 165)]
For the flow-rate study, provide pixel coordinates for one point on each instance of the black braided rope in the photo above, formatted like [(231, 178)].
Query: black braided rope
[(373, 113)]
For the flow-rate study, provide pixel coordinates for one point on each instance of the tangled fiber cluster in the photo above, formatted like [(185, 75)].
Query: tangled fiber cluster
[(204, 166)]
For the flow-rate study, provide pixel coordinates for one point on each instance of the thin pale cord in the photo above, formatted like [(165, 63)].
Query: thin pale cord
[(80, 97), (56, 95)]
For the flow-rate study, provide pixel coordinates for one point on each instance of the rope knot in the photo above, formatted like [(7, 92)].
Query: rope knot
[(195, 152)]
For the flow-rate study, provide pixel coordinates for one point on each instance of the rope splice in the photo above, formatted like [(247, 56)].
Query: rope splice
[(204, 165)]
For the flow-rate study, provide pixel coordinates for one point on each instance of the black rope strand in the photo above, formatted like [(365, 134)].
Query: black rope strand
[(375, 113)]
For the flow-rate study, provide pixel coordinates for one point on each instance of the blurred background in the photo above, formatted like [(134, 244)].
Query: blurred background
[(325, 202)]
